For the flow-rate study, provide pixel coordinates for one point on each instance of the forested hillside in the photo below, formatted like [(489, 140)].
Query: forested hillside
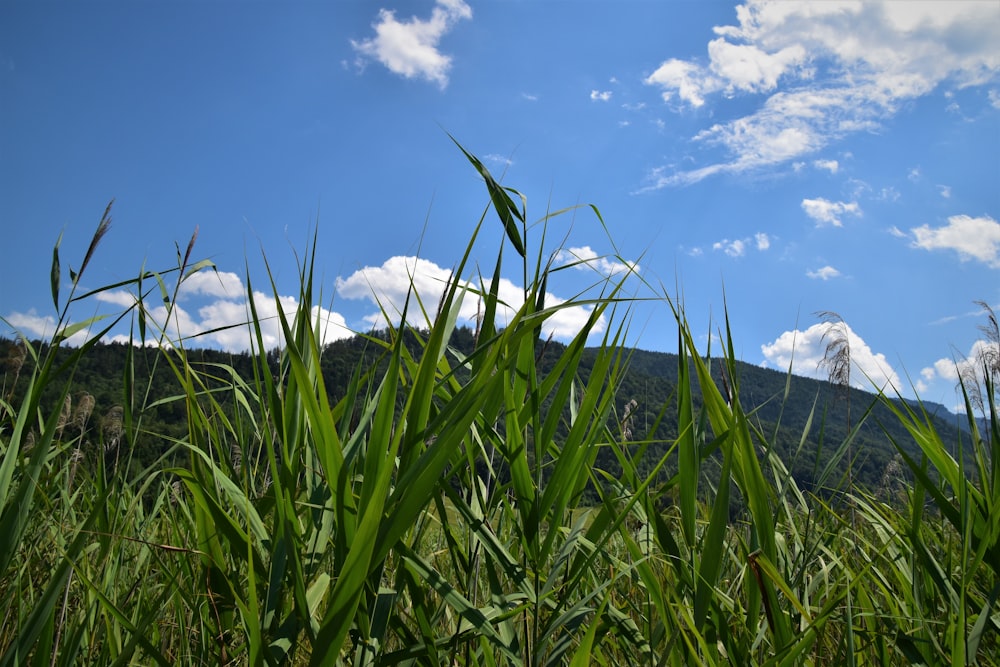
[(805, 419)]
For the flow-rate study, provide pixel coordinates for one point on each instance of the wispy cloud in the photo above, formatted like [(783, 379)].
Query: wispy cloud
[(972, 238), (410, 48), (739, 247), (600, 95), (498, 159), (831, 166), (585, 258), (826, 212), (824, 273), (734, 248), (824, 70)]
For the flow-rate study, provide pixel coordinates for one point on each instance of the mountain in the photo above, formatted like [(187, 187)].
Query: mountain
[(803, 419)]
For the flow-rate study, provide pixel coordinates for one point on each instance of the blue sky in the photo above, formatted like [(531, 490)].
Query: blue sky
[(776, 158)]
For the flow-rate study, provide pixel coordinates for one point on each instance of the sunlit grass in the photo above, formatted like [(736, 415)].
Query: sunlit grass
[(436, 514)]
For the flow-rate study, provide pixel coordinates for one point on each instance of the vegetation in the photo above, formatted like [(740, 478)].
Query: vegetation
[(805, 419), (474, 498)]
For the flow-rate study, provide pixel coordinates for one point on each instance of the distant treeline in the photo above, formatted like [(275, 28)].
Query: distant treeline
[(805, 419)]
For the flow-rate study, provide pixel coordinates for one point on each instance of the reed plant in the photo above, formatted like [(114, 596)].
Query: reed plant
[(436, 513)]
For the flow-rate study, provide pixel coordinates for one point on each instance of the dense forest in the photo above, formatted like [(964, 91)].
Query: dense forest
[(806, 420)]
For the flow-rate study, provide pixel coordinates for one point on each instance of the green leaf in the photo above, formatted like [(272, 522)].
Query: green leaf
[(55, 272), (509, 213)]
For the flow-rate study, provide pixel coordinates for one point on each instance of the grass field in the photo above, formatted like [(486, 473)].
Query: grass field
[(435, 514)]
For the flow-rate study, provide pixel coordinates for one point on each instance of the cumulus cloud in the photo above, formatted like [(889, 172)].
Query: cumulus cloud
[(826, 212), (689, 81), (825, 273), (749, 68), (43, 327), (31, 324), (954, 370), (120, 298), (823, 70), (600, 95), (585, 258), (212, 309), (387, 288), (391, 285), (803, 351), (410, 48), (972, 238), (225, 323), (223, 284)]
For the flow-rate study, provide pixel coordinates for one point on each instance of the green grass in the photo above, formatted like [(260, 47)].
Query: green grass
[(435, 514)]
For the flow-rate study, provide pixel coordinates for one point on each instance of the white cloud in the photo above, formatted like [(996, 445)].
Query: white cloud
[(600, 95), (42, 327), (224, 323), (825, 273), (223, 284), (826, 212), (952, 370), (31, 324), (585, 258), (735, 248), (831, 166), (121, 298), (388, 286), (200, 316), (945, 191), (501, 160), (748, 68), (687, 79), (889, 194), (739, 247), (824, 70), (410, 48), (972, 238), (804, 351), (216, 313)]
